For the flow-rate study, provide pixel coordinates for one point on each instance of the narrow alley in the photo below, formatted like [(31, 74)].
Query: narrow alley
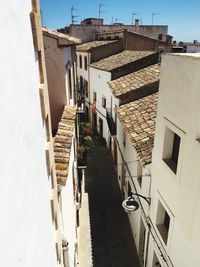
[(112, 241)]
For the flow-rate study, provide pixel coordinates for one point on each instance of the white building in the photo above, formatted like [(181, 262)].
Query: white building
[(65, 161), (28, 192), (86, 54), (102, 99), (135, 137), (60, 60), (175, 208)]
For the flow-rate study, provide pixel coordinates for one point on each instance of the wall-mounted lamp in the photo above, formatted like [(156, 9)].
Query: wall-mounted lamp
[(130, 204)]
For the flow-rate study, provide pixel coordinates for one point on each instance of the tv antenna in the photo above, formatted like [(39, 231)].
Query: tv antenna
[(153, 14), (42, 18), (134, 14), (117, 20), (73, 17), (100, 9)]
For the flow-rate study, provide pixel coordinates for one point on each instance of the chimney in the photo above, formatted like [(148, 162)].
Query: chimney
[(137, 23)]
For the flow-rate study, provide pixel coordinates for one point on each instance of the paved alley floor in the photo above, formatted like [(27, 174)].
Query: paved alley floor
[(112, 241)]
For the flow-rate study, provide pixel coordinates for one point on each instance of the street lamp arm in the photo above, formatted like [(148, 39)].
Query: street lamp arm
[(148, 199)]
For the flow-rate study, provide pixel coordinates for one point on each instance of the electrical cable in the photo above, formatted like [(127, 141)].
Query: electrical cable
[(147, 218)]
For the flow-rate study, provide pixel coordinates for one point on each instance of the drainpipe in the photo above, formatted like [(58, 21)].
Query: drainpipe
[(147, 249), (65, 247)]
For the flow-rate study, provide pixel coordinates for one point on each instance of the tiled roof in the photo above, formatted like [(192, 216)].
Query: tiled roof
[(120, 59), (138, 121), (135, 80), (94, 44), (62, 144), (61, 36)]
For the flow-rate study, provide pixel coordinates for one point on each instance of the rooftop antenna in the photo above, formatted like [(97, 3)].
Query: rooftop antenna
[(153, 14), (134, 14), (72, 15), (100, 9), (117, 20), (43, 19)]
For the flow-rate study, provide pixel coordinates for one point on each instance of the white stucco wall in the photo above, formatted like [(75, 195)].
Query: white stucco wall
[(193, 49), (26, 230), (131, 157), (69, 210), (83, 72), (179, 109), (99, 83)]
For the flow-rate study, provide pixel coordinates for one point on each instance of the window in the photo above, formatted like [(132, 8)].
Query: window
[(94, 96), (86, 88), (129, 190), (80, 61), (163, 222), (85, 62), (47, 125), (171, 149), (139, 173), (124, 139), (81, 83), (70, 83), (103, 102)]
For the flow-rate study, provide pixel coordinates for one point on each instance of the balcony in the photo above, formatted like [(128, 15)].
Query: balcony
[(110, 121), (80, 99)]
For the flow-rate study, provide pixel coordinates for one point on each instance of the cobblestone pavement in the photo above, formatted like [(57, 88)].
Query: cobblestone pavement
[(112, 241)]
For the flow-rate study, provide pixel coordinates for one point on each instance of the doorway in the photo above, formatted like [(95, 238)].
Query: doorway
[(101, 127), (142, 242)]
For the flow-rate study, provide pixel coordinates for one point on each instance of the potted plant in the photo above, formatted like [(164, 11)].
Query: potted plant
[(82, 155)]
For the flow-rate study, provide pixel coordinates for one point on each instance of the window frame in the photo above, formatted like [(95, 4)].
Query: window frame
[(80, 62), (170, 129), (85, 63), (160, 221), (103, 103)]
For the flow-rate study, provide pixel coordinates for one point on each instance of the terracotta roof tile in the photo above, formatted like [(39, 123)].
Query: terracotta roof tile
[(88, 46), (62, 143), (120, 59), (135, 80), (138, 121)]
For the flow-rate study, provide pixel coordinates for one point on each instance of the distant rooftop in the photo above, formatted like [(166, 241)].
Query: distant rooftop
[(132, 32), (89, 46), (121, 59), (62, 38), (135, 80), (138, 121)]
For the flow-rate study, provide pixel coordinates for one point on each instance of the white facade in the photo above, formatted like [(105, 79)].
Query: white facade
[(193, 49), (68, 211), (141, 176), (175, 188), (27, 231), (70, 74), (99, 84), (83, 74), (60, 64)]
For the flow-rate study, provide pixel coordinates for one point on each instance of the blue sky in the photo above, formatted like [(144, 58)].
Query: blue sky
[(183, 18)]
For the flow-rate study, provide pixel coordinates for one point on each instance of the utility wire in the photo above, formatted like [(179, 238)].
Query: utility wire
[(147, 218)]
